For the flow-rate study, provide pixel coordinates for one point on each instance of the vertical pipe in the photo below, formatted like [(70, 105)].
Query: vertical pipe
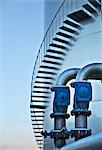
[(59, 123), (81, 121)]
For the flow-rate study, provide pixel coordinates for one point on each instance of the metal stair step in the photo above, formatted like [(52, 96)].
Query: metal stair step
[(67, 37), (39, 102), (91, 16), (58, 54), (36, 106), (80, 15), (38, 135), (61, 33), (90, 7), (40, 144), (40, 96), (35, 123), (37, 120), (58, 46), (42, 87), (96, 3), (40, 147), (52, 62), (37, 116), (59, 49), (37, 132), (39, 140), (45, 90), (55, 57), (44, 82), (37, 111), (49, 67), (66, 46), (40, 105), (60, 42), (38, 124), (66, 28), (44, 77), (63, 52), (73, 23), (41, 92), (36, 98), (72, 39), (47, 72), (67, 33), (37, 128)]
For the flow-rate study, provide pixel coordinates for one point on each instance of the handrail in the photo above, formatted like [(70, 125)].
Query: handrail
[(44, 39)]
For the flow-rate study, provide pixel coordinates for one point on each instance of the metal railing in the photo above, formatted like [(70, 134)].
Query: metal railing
[(66, 8)]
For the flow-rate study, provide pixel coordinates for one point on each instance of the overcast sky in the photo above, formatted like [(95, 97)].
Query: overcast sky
[(21, 32)]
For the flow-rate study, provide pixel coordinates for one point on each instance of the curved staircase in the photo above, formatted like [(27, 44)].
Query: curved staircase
[(61, 35)]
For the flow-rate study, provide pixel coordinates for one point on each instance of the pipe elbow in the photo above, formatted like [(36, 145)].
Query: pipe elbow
[(67, 75), (91, 71)]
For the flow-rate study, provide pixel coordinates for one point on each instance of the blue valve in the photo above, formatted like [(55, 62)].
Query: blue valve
[(83, 94), (82, 97), (61, 99)]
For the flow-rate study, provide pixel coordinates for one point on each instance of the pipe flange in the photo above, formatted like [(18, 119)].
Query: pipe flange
[(63, 133), (80, 133), (81, 111), (57, 115)]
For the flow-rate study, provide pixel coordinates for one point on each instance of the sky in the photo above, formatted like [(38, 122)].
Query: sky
[(21, 33)]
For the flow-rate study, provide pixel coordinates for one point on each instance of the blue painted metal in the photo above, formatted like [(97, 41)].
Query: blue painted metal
[(82, 97), (83, 94), (60, 105), (61, 99)]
